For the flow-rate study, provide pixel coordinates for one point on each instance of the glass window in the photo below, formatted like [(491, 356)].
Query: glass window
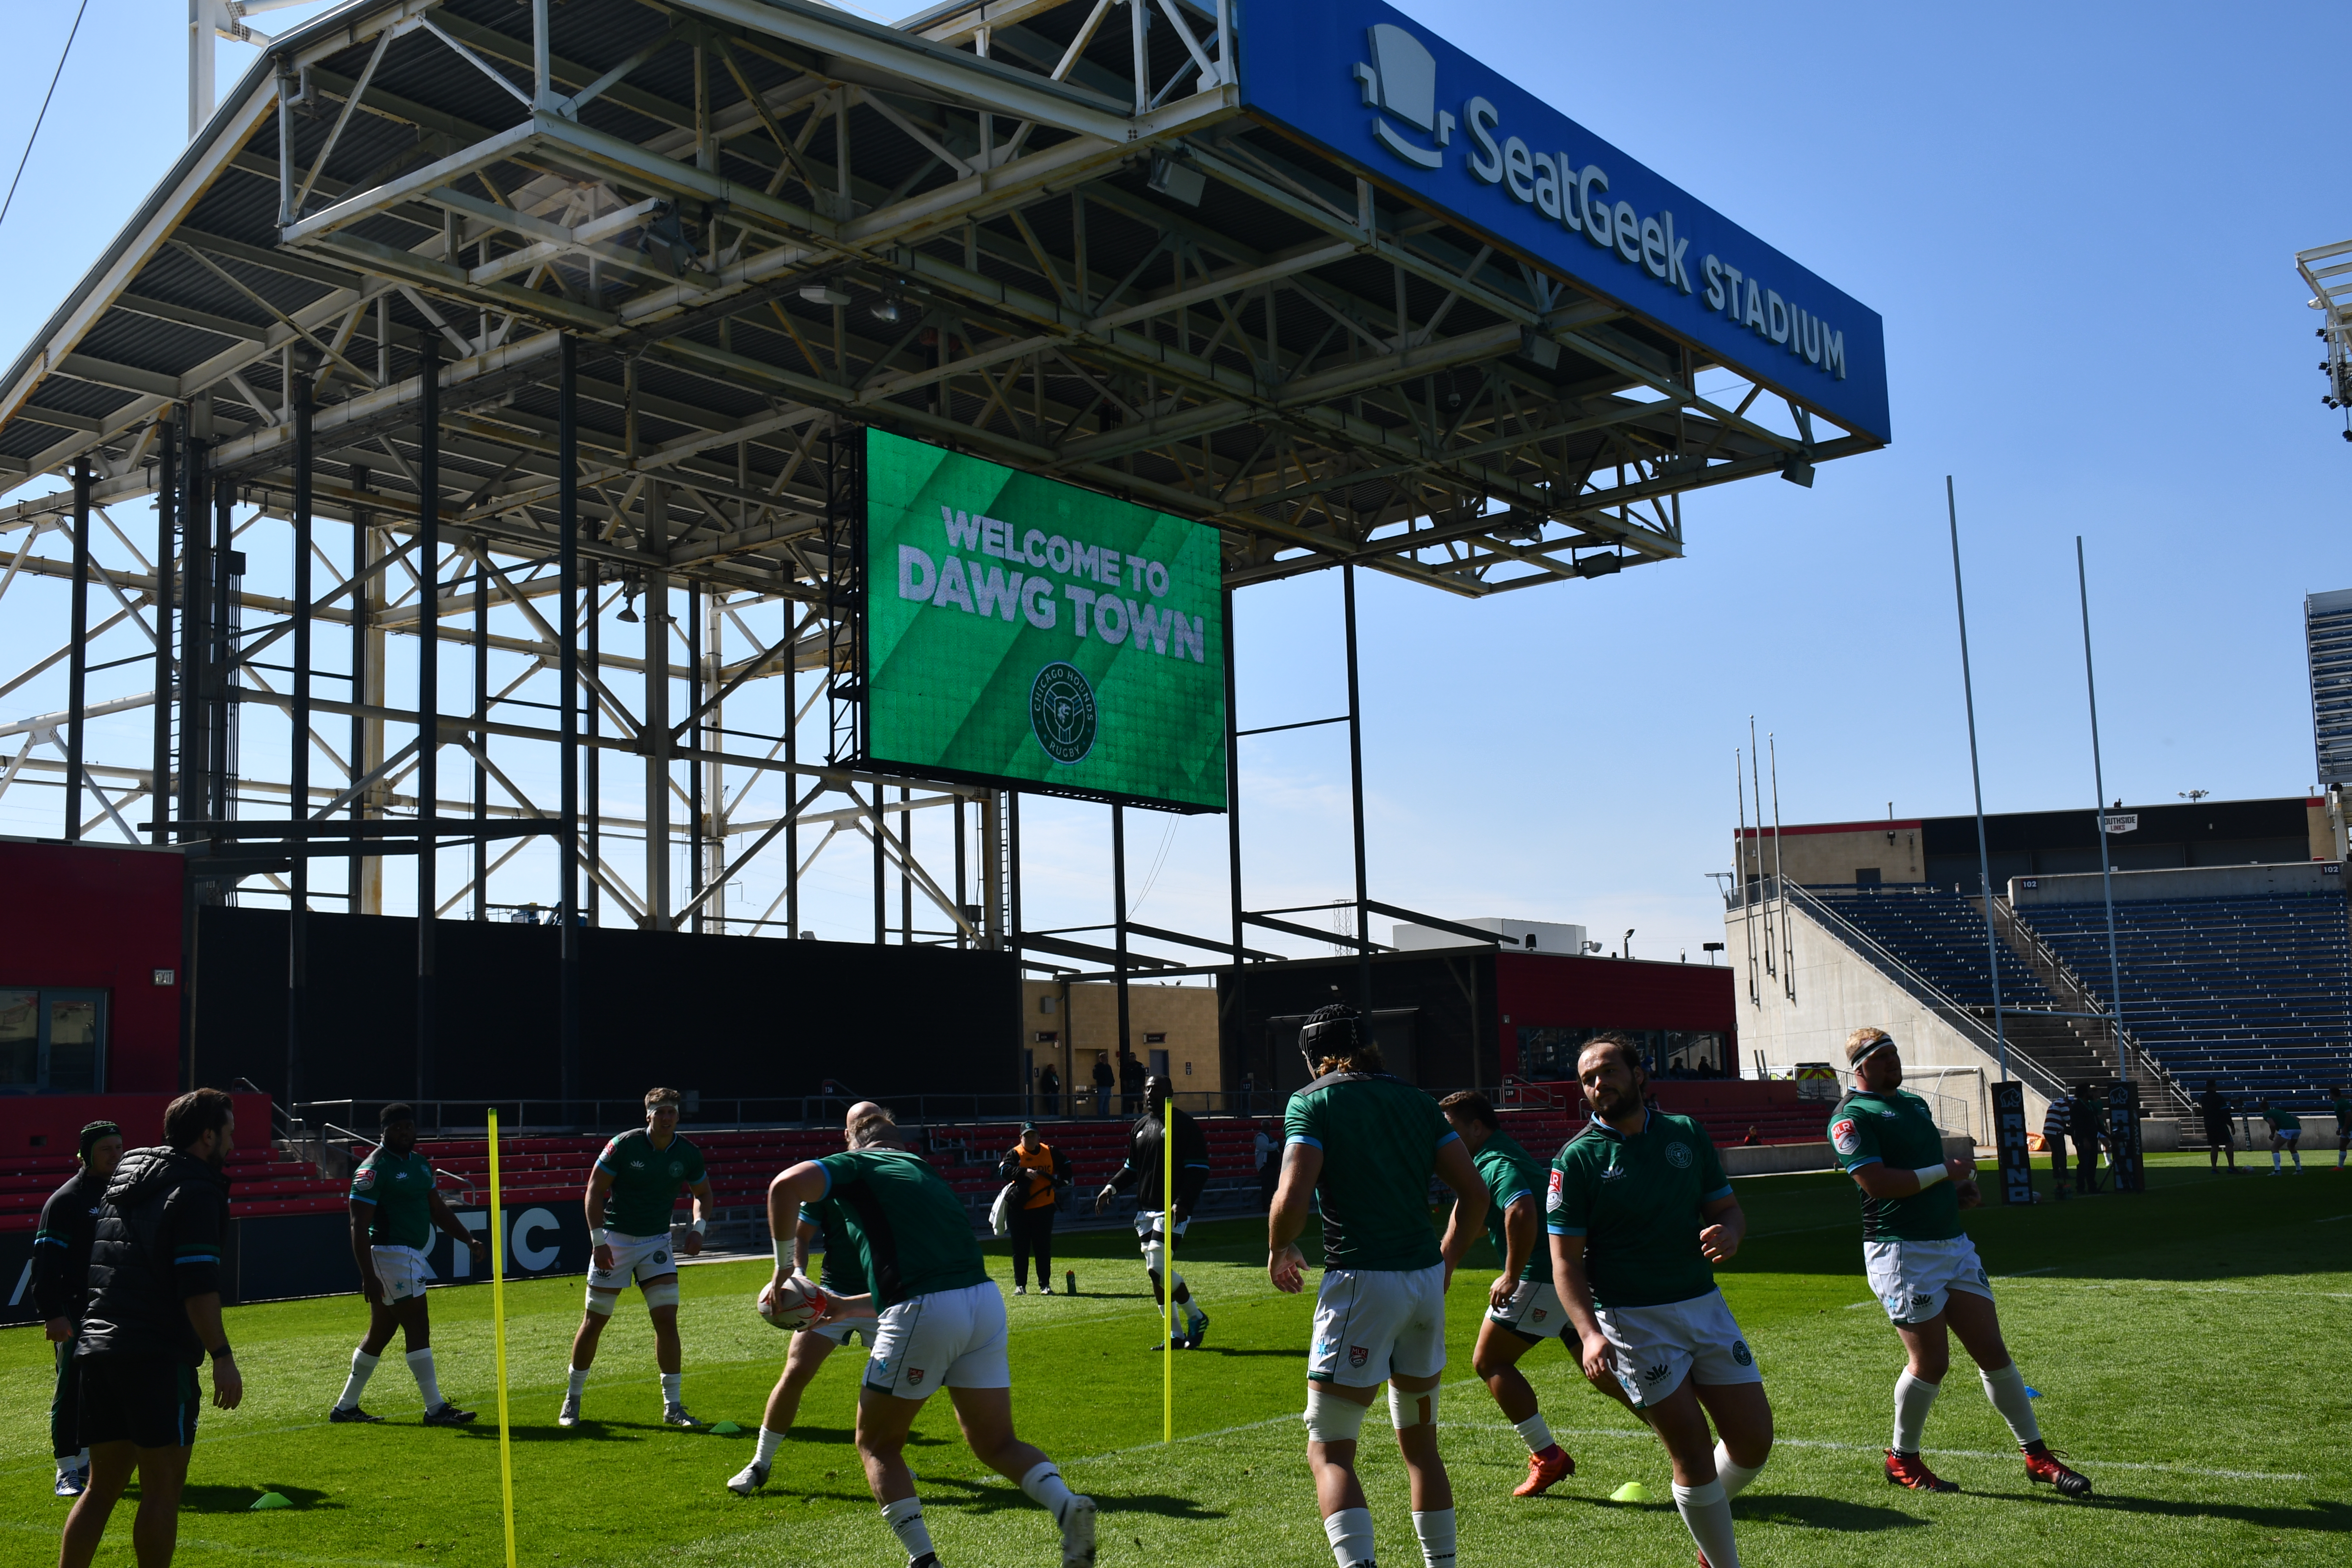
[(52, 1040)]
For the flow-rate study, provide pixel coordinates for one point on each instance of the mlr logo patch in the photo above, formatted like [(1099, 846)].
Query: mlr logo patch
[(1842, 1134)]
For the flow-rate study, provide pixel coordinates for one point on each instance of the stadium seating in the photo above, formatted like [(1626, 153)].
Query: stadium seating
[(261, 1181), (1940, 935)]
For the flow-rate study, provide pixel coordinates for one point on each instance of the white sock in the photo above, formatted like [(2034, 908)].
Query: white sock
[(579, 1381), (1734, 1476), (1044, 1486), (2006, 1389), (1350, 1530), (769, 1443), (2275, 1160), (420, 1363), (1913, 1395), (1534, 1432), (1436, 1529), (670, 1382), (905, 1518), (1707, 1514), (363, 1368)]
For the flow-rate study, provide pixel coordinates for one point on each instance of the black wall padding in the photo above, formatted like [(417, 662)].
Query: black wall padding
[(726, 1016)]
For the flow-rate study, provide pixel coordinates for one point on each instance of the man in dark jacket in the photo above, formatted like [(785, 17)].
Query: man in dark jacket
[(1131, 1084), (2213, 1110), (61, 1271), (1104, 1078), (152, 1314), (1154, 1225), (2087, 1120)]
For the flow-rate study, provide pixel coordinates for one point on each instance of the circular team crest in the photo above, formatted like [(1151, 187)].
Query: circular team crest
[(1678, 1156), (1062, 711), (1740, 1353), (676, 1170)]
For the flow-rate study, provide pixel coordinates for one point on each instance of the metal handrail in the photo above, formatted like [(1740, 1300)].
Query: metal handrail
[(2047, 960)]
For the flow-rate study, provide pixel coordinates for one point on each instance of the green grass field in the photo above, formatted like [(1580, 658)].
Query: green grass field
[(2190, 1343)]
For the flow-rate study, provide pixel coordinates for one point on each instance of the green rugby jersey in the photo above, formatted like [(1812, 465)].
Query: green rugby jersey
[(840, 1272), (1379, 1138), (2341, 1109), (1636, 1202), (1896, 1130), (2281, 1120), (1511, 1173), (645, 1181), (913, 1236), (399, 1187)]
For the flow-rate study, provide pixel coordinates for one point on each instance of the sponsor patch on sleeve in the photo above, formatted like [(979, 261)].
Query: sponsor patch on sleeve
[(1842, 1134), (1552, 1198), (365, 1178)]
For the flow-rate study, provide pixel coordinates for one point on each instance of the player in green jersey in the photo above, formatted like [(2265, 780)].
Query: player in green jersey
[(1922, 1266), (631, 1194), (1638, 1210), (1368, 1144), (2286, 1132), (842, 1274), (1522, 1309), (938, 1322), (2340, 1104), (394, 1212)]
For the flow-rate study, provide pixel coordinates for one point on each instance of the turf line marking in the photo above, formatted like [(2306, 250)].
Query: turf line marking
[(2028, 1273), (1874, 1449), (2331, 1220), (1229, 1431)]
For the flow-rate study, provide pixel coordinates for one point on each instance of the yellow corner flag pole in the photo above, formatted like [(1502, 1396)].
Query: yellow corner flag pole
[(1168, 1251), (498, 1317)]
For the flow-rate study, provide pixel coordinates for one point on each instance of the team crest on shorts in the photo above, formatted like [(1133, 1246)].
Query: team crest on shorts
[(914, 1375), (1537, 1315), (1739, 1352), (661, 1258), (1678, 1156), (1358, 1354)]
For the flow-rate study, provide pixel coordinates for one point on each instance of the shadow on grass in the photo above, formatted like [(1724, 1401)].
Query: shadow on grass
[(1824, 1513), (2321, 1514), (239, 1500), (1243, 1352), (642, 1431)]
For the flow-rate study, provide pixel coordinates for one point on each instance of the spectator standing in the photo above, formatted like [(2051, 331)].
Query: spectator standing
[(1044, 1172), (1049, 1092), (1131, 1082), (152, 1314), (60, 1274), (2082, 1121), (2214, 1107), (1104, 1079), (2054, 1122)]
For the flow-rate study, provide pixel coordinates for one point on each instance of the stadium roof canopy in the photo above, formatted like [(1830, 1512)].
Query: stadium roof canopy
[(1065, 235)]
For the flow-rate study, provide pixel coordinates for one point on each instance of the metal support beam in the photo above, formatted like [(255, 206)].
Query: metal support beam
[(1356, 801), (167, 494), (298, 913), (567, 533), (78, 656), (428, 701)]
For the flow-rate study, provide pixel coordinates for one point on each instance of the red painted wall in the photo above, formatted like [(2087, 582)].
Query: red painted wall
[(1563, 992), (44, 1124), (105, 918)]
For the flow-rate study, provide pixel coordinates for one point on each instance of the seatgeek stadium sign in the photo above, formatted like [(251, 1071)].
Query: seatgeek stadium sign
[(1379, 92), (1026, 631)]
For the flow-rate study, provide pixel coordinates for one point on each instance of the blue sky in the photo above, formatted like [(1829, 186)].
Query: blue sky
[(2079, 224)]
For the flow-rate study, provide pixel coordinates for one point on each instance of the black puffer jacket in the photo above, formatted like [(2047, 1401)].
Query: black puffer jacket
[(159, 1232)]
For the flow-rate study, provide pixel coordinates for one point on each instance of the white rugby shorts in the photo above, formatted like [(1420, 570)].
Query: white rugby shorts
[(1656, 1347), (950, 1339), (846, 1330), (1147, 1226), (1914, 1279), (1534, 1310), (401, 1270), (1371, 1323), (644, 1258), (2287, 1134)]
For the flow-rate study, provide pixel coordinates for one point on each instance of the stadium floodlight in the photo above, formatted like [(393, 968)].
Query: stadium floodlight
[(1798, 472)]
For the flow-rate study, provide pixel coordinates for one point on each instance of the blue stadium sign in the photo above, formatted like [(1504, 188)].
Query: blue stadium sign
[(1371, 88)]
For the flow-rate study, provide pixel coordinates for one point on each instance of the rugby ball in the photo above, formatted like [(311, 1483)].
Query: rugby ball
[(791, 1305)]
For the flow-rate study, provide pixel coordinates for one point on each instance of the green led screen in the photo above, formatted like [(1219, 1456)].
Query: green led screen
[(1023, 629)]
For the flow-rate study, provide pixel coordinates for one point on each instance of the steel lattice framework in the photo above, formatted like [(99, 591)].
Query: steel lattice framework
[(489, 323)]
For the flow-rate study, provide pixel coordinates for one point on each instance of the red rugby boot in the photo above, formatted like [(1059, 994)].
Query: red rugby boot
[(1543, 1469), (1911, 1470), (2042, 1468)]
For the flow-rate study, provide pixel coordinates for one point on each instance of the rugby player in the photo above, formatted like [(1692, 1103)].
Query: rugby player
[(1922, 1266), (1522, 1309), (1140, 1175), (1367, 1143), (60, 1275), (2340, 1103), (1638, 1211), (630, 1195), (841, 1275), (2213, 1109), (938, 1322), (2286, 1132), (394, 1212)]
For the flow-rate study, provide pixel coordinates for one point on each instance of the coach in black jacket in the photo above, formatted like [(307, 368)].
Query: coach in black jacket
[(153, 1313), (60, 1275)]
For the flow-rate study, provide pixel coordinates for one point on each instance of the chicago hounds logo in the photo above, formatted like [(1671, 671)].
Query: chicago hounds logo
[(1401, 80), (1062, 711), (1740, 1353), (1678, 1156)]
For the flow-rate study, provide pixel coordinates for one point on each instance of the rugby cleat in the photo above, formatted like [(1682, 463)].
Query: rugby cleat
[(1911, 1470), (1021, 1289), (447, 1415), (72, 1480), (1544, 1470), (343, 1414), (1078, 1532), (749, 1479), (676, 1415), (570, 1415), (2044, 1468), (1196, 1330)]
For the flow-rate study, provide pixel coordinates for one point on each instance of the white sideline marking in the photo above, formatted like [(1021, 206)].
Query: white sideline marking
[(2331, 1220), (2024, 1273), (1949, 1453)]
